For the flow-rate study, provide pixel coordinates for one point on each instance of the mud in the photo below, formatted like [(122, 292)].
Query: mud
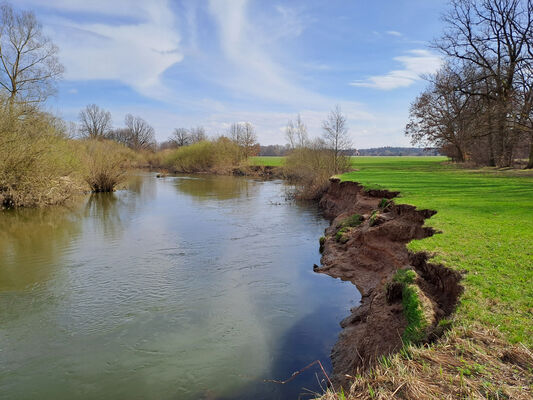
[(370, 255)]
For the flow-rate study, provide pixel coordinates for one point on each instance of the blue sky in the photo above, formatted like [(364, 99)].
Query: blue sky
[(212, 63)]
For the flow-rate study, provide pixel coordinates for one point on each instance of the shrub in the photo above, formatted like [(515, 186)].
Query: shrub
[(204, 156), (37, 164), (105, 164), (310, 169)]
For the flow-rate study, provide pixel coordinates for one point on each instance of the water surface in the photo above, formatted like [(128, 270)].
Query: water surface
[(176, 288)]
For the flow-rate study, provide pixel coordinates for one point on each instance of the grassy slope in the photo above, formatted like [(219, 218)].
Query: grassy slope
[(487, 223)]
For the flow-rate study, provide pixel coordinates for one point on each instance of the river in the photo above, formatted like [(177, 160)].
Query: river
[(186, 287)]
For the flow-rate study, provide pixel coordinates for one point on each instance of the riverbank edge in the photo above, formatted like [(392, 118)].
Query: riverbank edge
[(369, 255), (372, 359)]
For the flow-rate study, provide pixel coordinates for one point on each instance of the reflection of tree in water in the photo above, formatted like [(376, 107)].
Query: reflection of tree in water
[(33, 243), (214, 187), (104, 211)]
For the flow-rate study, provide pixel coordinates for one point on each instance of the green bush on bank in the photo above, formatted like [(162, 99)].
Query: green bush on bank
[(37, 162), (204, 156), (310, 169), (105, 163)]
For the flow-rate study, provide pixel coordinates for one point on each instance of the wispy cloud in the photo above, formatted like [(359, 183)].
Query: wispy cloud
[(415, 64), (135, 49), (394, 33)]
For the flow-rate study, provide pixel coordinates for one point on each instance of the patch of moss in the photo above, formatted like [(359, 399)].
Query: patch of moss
[(352, 221), (373, 217)]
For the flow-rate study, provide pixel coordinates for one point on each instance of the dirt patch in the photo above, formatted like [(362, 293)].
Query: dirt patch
[(368, 255)]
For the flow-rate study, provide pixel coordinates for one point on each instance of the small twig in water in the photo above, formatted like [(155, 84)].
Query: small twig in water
[(295, 374)]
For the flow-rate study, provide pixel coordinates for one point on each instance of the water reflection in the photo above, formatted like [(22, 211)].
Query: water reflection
[(208, 187), (186, 287), (32, 243)]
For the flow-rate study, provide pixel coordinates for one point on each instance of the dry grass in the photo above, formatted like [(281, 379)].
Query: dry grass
[(467, 363)]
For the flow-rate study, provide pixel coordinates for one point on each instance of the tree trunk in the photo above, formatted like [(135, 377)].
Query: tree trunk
[(530, 163)]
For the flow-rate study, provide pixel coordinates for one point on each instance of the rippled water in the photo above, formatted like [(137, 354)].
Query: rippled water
[(177, 288)]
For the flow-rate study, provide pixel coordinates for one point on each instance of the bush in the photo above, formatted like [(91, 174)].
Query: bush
[(105, 164), (37, 163), (310, 169), (205, 156)]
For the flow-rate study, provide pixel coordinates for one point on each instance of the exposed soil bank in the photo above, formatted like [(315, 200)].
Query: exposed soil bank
[(254, 171), (368, 256)]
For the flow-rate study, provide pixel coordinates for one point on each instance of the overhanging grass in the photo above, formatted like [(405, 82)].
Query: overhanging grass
[(487, 223)]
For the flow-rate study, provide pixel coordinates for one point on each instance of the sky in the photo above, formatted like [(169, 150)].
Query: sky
[(210, 63)]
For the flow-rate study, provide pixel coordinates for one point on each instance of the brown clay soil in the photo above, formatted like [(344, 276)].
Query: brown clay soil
[(372, 253)]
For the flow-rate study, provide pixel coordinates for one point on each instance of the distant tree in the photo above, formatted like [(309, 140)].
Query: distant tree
[(244, 135), (336, 135), (197, 134), (29, 66), (95, 123), (181, 137), (296, 134), (141, 136)]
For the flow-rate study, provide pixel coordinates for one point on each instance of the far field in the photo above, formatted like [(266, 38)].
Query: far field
[(486, 220)]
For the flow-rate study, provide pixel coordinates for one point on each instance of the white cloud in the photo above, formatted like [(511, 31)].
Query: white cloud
[(248, 49), (416, 64), (394, 33), (134, 50)]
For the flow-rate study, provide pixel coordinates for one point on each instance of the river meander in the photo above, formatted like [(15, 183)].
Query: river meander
[(175, 288)]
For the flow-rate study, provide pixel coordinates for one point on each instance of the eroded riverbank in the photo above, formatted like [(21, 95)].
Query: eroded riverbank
[(369, 254)]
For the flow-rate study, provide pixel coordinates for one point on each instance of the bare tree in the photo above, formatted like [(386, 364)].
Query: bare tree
[(181, 137), (496, 38), (336, 135), (29, 66), (141, 134), (243, 133), (235, 132), (95, 123), (296, 134), (197, 134)]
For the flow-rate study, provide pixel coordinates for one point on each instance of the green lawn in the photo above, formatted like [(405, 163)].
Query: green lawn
[(486, 219), (269, 161)]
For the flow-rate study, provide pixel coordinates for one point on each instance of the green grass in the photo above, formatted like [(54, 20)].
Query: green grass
[(268, 161), (486, 219)]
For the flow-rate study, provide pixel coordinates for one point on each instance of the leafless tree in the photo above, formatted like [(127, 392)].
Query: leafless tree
[(181, 137), (29, 66), (235, 132), (336, 135), (197, 134), (296, 134), (95, 123), (445, 117), (243, 133), (496, 38), (141, 134)]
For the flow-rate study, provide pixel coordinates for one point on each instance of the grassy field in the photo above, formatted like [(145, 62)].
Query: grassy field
[(267, 161), (486, 219)]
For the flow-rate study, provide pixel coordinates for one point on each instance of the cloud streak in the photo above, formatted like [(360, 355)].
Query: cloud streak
[(135, 50), (416, 64)]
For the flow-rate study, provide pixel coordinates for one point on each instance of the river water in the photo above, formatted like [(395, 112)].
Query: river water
[(174, 288)]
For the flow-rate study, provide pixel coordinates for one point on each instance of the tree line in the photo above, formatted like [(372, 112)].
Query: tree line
[(479, 106)]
